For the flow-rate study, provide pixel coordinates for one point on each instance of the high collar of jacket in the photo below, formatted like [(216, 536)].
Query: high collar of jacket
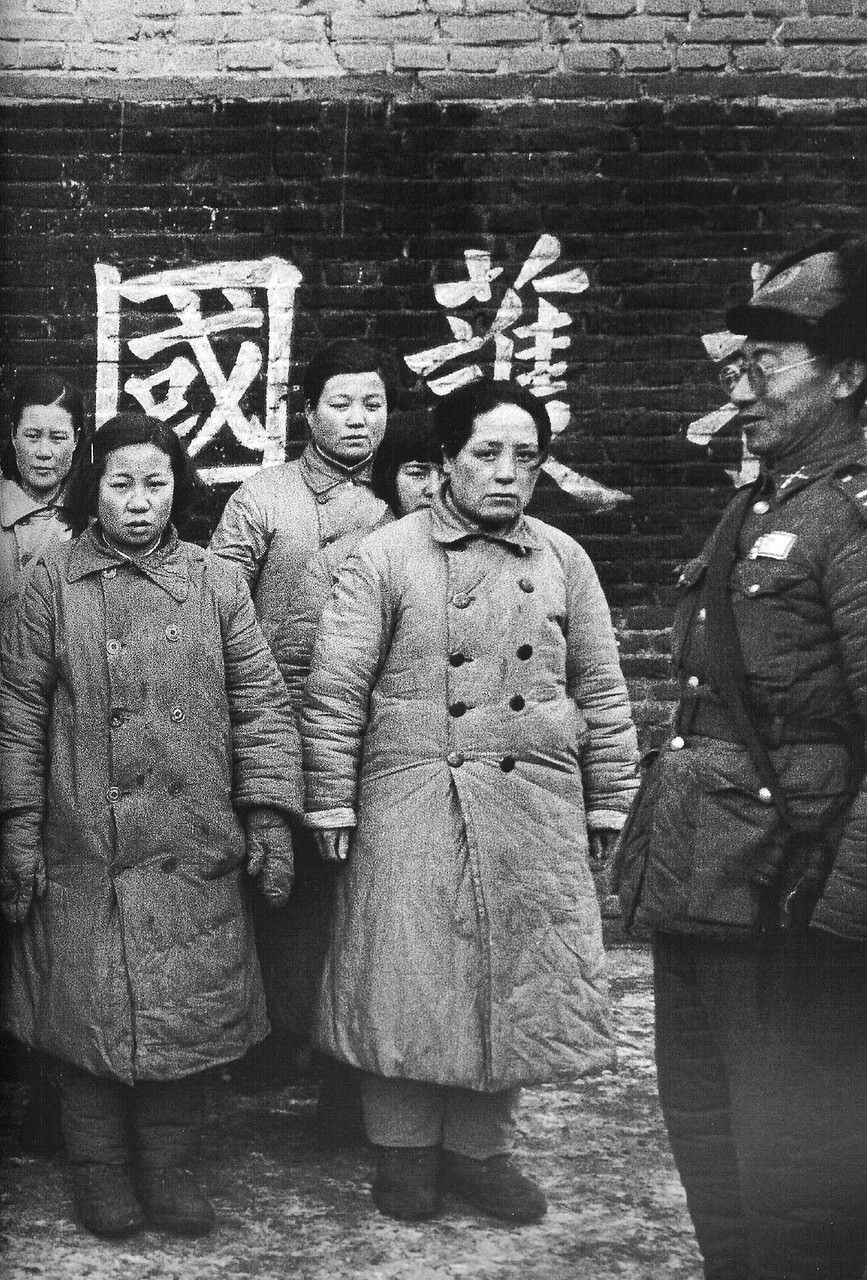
[(167, 567), (780, 485), (16, 505), (449, 525), (321, 473)]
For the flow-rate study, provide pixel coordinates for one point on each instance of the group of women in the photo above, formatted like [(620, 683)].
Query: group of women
[(385, 698)]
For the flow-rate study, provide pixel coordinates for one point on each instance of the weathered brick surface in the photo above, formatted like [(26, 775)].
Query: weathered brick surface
[(664, 201), (526, 45)]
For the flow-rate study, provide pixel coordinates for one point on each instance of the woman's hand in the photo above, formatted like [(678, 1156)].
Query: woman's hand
[(270, 857), (333, 843), (22, 866)]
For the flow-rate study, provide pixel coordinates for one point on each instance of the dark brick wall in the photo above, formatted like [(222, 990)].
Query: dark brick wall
[(665, 205)]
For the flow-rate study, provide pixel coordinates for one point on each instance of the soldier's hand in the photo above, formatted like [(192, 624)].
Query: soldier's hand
[(22, 865), (333, 843), (270, 856)]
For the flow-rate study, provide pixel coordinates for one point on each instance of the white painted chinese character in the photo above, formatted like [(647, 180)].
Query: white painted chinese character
[(537, 366), (183, 289), (719, 346)]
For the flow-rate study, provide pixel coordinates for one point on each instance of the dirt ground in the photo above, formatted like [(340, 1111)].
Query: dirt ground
[(286, 1208)]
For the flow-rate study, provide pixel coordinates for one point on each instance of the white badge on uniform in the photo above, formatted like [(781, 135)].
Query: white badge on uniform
[(775, 545)]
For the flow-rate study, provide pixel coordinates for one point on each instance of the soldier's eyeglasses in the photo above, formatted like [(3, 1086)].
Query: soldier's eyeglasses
[(756, 373)]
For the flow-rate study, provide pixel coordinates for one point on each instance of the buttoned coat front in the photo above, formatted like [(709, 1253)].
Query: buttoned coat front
[(466, 704), (140, 710)]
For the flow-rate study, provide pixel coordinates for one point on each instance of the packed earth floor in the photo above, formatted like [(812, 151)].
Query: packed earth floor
[(288, 1208)]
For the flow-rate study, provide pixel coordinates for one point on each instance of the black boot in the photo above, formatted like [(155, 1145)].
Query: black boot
[(105, 1200), (167, 1117), (494, 1185), (405, 1181), (40, 1132), (339, 1118)]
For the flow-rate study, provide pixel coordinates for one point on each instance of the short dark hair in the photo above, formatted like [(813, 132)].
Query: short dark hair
[(346, 356), (409, 437), (456, 413), (40, 388), (82, 497)]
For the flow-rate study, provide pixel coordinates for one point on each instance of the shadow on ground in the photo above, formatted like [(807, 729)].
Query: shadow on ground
[(286, 1208)]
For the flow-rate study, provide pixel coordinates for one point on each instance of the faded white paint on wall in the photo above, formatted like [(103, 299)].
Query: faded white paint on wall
[(162, 391)]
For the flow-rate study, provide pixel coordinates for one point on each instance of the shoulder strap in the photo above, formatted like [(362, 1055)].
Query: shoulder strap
[(725, 657)]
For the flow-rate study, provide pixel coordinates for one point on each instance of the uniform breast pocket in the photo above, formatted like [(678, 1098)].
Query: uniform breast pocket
[(772, 600)]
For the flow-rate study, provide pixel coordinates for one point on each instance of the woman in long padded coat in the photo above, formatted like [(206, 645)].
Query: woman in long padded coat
[(466, 722), (146, 747)]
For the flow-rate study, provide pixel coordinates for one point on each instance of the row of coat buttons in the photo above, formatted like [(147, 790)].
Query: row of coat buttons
[(457, 758), (457, 709), (462, 600), (678, 743), (118, 717), (114, 793), (524, 652), (113, 647)]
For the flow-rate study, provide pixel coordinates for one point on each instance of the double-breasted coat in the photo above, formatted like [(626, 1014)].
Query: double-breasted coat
[(466, 708), (141, 710)]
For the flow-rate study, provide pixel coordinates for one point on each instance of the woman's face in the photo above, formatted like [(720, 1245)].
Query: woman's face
[(493, 476), (348, 420), (416, 483), (44, 442), (135, 496)]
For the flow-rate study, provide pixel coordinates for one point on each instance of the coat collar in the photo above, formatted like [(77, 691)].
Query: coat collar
[(321, 474), (783, 485), (16, 505), (449, 525), (167, 567)]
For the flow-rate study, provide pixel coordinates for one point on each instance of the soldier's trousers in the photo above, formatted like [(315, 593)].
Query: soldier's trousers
[(761, 1050)]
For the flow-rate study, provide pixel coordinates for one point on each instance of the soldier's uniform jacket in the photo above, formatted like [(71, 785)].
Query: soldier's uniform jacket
[(798, 590)]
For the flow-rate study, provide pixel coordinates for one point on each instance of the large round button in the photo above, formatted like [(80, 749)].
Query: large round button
[(455, 758), (172, 633), (457, 659), (693, 682), (113, 647), (116, 719), (765, 795), (525, 651), (112, 794), (507, 764), (461, 600), (761, 507), (457, 708), (753, 589), (526, 584), (178, 714), (677, 744), (517, 702), (109, 574)]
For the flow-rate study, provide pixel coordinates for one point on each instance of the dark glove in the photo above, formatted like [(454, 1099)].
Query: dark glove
[(332, 843), (601, 842), (269, 853), (22, 866)]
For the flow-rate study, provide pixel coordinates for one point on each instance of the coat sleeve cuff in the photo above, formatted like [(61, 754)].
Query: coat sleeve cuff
[(605, 820), (329, 818)]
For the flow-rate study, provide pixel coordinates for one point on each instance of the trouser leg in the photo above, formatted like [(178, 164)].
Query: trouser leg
[(694, 1095), (168, 1117), (796, 1048), (479, 1125), (94, 1116), (402, 1113)]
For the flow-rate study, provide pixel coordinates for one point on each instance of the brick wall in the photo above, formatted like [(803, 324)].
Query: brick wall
[(428, 41), (664, 194)]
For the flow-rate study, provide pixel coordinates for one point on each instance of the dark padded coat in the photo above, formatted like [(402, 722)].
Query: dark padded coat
[(140, 711), (799, 596)]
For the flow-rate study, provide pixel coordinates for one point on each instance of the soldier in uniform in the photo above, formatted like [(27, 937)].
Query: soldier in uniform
[(746, 851)]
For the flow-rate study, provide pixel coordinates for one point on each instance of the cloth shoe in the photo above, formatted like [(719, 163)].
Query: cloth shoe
[(174, 1201), (105, 1199), (405, 1181), (494, 1185)]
